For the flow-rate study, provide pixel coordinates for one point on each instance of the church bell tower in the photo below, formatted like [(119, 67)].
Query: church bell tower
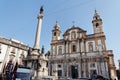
[(97, 24), (56, 32)]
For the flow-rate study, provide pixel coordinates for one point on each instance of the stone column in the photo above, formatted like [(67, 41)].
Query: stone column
[(80, 50), (36, 48), (87, 75), (38, 31), (66, 46), (35, 51), (69, 47), (84, 67), (98, 68)]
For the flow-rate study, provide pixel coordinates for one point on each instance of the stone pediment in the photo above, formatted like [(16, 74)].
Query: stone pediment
[(73, 28)]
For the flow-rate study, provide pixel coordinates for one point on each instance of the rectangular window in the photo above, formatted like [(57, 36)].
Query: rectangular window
[(59, 72), (92, 65), (93, 73)]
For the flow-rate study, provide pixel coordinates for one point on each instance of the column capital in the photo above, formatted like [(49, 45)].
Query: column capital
[(40, 16)]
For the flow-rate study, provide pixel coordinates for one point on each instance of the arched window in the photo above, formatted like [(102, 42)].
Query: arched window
[(60, 50), (97, 25), (90, 44), (96, 17), (73, 48), (54, 33)]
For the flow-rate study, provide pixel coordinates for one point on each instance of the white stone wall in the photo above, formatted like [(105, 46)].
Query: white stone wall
[(7, 47), (2, 55), (53, 50)]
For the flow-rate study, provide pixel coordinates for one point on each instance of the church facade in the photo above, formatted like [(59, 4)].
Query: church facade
[(80, 54)]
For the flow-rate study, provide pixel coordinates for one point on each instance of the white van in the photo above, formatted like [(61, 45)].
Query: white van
[(23, 74)]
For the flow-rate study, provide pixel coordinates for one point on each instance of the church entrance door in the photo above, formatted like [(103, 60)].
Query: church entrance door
[(74, 71)]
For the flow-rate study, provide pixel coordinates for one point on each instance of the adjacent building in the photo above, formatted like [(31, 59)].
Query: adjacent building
[(118, 70), (80, 54), (11, 49)]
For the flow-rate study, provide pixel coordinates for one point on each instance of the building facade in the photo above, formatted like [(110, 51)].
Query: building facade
[(13, 50), (80, 54)]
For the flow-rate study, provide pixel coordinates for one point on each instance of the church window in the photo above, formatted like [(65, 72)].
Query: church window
[(74, 48), (96, 17), (60, 50), (59, 73), (54, 33), (93, 73), (90, 44), (59, 66), (92, 65), (97, 25)]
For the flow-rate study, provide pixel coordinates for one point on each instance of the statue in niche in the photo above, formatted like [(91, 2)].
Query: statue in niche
[(73, 35), (91, 47)]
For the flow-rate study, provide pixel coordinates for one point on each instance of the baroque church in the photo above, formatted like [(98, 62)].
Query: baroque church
[(80, 54), (77, 55)]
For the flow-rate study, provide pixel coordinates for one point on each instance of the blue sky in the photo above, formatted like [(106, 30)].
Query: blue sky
[(18, 19)]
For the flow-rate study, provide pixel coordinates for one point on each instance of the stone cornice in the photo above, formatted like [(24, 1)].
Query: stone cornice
[(13, 43)]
